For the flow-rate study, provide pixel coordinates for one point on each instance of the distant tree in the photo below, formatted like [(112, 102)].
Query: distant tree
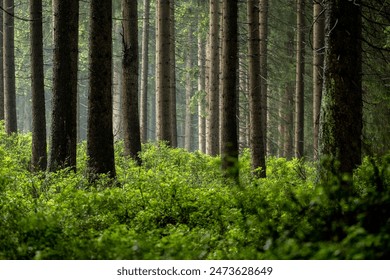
[(341, 116), (1, 69), (318, 67), (131, 124), (64, 100), (163, 84), (212, 121), (188, 90), (100, 142), (201, 96), (229, 141), (299, 80), (255, 98), (144, 72), (9, 68), (172, 79), (39, 153)]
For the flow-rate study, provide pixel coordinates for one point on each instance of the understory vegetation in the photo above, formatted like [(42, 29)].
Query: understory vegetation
[(178, 205)]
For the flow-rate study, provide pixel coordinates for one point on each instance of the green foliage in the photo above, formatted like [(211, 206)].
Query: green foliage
[(177, 205)]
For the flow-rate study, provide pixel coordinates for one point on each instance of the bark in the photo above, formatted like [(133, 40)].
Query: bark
[(188, 90), (144, 73), (172, 80), (212, 122), (9, 69), (318, 68), (163, 84), (341, 116), (100, 146), (255, 95), (229, 141), (131, 124), (39, 153), (299, 87), (201, 97), (263, 19), (1, 68), (64, 100)]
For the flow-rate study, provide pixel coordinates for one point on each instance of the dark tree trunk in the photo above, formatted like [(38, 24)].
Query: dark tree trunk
[(341, 116), (100, 147), (9, 69), (64, 100), (229, 141), (39, 153), (1, 68), (255, 97), (131, 125)]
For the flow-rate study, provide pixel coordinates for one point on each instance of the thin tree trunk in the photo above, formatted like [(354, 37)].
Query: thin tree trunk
[(131, 124), (64, 100), (100, 143), (255, 96), (1, 67), (318, 67), (212, 122), (172, 80), (201, 97), (299, 88), (9, 69), (163, 84), (188, 90), (263, 19), (229, 141), (144, 73), (39, 153)]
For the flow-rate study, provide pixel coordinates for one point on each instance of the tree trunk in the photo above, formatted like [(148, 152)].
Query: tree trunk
[(341, 116), (299, 80), (163, 83), (9, 69), (39, 153), (144, 73), (318, 69), (131, 124), (172, 80), (100, 146), (1, 67), (263, 19), (255, 96), (188, 90), (212, 122), (201, 97), (64, 100), (229, 141)]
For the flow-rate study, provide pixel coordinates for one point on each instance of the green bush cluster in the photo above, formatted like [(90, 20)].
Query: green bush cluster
[(178, 205)]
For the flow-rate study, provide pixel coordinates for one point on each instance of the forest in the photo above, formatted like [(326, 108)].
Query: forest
[(194, 129)]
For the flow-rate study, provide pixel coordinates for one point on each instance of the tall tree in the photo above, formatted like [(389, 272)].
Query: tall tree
[(131, 124), (172, 80), (100, 143), (64, 100), (299, 80), (263, 19), (229, 141), (39, 153), (144, 73), (341, 116), (201, 96), (188, 90), (212, 121), (163, 83), (1, 68), (9, 68), (318, 67), (255, 97)]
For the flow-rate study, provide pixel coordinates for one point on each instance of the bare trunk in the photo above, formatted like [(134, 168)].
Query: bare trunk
[(201, 97)]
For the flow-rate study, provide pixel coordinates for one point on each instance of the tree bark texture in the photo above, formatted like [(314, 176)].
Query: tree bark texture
[(39, 153), (9, 69), (201, 97), (1, 67), (255, 94), (131, 124), (341, 116), (100, 146), (64, 100), (229, 141)]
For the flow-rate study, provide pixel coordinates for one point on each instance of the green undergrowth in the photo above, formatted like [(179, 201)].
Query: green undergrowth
[(177, 205)]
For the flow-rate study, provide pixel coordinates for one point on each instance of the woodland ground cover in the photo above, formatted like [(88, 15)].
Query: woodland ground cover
[(177, 205)]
